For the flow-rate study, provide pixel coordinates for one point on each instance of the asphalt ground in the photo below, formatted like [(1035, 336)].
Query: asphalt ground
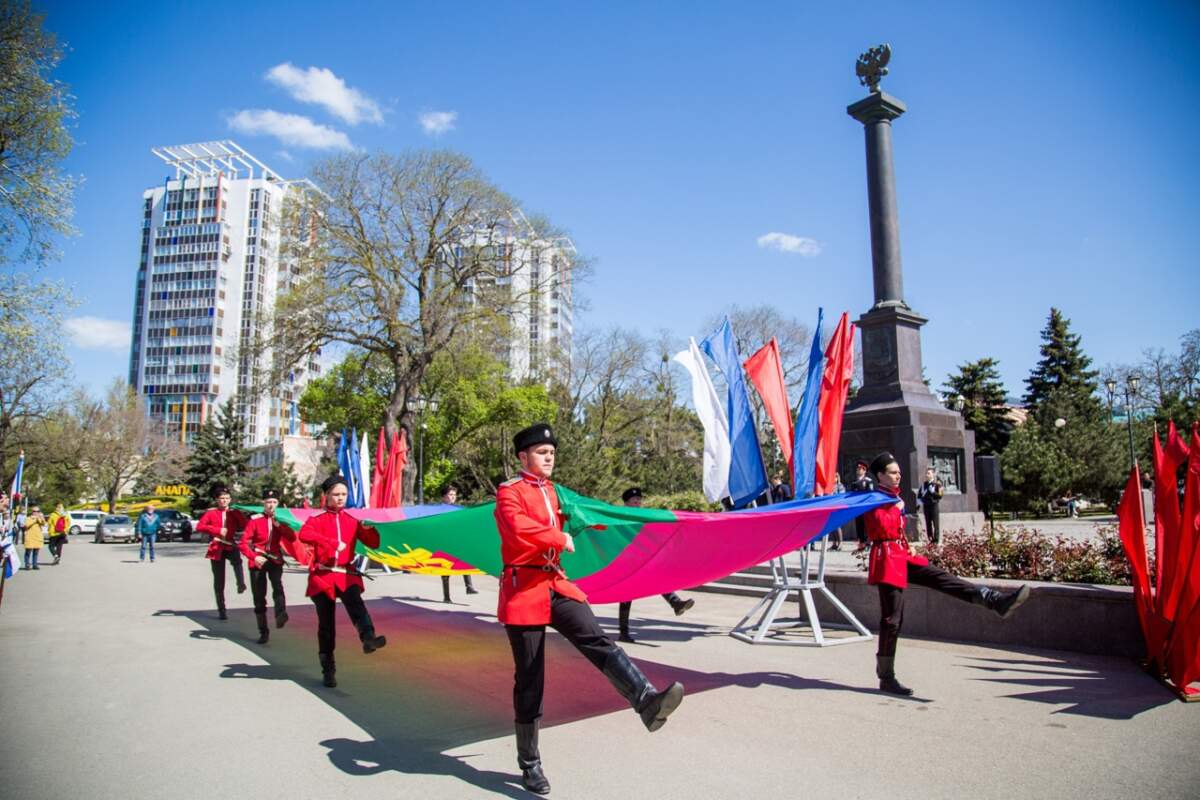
[(119, 682)]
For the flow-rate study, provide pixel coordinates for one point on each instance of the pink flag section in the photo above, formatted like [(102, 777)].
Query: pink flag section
[(697, 548)]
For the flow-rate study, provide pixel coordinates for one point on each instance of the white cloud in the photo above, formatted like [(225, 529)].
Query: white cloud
[(94, 333), (286, 156), (320, 86), (292, 130), (436, 123), (787, 243)]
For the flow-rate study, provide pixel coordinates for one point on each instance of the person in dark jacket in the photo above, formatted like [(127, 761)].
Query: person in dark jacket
[(862, 482), (633, 497), (930, 494)]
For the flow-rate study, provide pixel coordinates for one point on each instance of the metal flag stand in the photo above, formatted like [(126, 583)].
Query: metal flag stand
[(761, 632)]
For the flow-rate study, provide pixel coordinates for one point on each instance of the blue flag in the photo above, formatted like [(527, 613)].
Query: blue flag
[(747, 475), (807, 428)]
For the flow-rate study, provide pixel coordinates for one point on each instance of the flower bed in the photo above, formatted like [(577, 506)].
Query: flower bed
[(1027, 554)]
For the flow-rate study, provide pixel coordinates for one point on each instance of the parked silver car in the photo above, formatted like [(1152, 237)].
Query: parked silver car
[(114, 527), (86, 521)]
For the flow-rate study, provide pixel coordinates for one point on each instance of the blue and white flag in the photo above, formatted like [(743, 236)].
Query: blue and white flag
[(747, 475), (364, 471), (713, 419), (8, 552), (15, 491)]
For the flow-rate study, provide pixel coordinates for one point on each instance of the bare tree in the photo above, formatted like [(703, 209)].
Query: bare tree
[(402, 257), (117, 441)]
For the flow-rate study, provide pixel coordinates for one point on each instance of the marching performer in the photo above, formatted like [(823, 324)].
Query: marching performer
[(332, 533), (893, 565), (261, 547), (221, 523), (535, 592)]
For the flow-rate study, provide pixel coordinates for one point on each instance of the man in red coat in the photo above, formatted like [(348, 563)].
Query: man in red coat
[(261, 547), (893, 565), (222, 523), (535, 592), (332, 533)]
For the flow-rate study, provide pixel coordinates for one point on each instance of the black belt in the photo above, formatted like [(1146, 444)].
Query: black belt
[(542, 567)]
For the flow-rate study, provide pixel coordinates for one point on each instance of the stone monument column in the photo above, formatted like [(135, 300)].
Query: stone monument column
[(894, 410)]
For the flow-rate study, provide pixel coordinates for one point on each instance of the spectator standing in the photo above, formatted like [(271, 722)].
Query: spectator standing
[(863, 482), (34, 526), (836, 536), (450, 498), (633, 497), (780, 491), (929, 495), (147, 527), (59, 524)]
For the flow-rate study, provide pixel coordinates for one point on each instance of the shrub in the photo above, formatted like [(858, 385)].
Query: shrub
[(1028, 554), (680, 501)]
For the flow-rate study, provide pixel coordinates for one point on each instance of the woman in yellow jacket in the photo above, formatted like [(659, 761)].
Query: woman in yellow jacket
[(58, 526), (34, 539)]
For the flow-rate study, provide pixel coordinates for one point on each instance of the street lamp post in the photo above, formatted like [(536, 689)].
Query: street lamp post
[(1131, 390), (417, 405)]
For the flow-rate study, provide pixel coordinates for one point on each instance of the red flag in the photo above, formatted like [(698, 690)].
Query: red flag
[(394, 496), (835, 383), (1180, 556), (1183, 649), (765, 371), (1132, 527), (378, 479), (1166, 514)]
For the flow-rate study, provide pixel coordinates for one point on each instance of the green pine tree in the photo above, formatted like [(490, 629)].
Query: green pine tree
[(978, 384), (1062, 368), (281, 477), (218, 457)]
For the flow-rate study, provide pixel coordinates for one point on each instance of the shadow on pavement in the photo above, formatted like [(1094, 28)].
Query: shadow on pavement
[(1084, 686), (443, 681)]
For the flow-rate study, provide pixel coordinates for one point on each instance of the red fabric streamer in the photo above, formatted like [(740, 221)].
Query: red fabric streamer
[(1179, 553), (379, 476), (394, 479), (1132, 527), (1183, 649), (835, 383), (765, 370)]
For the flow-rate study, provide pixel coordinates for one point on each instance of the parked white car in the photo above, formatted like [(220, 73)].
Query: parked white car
[(85, 521)]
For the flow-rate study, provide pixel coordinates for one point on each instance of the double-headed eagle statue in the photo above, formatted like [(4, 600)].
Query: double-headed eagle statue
[(872, 66)]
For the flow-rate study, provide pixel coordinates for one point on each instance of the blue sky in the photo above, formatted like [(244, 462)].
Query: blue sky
[(1048, 156)]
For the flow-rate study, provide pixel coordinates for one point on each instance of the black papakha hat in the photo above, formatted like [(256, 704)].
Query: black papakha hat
[(538, 433), (631, 492), (270, 494), (332, 481), (220, 490), (861, 463), (881, 462)]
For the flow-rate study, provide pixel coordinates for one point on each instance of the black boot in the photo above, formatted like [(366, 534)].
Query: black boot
[(470, 586), (680, 605), (1003, 603), (370, 641), (623, 623), (446, 589), (328, 670), (221, 613), (281, 618), (529, 759), (264, 633), (652, 705), (885, 668)]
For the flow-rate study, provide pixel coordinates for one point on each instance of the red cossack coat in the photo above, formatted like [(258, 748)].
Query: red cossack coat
[(889, 546), (531, 535), (332, 535), (262, 537), (212, 521)]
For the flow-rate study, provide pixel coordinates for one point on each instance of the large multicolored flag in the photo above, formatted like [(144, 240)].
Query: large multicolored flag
[(621, 553), (804, 452), (765, 370), (747, 475), (717, 451), (835, 383)]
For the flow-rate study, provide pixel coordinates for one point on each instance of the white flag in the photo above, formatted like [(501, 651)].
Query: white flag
[(717, 449), (364, 460)]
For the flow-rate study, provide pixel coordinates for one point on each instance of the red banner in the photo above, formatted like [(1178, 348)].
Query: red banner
[(765, 370), (835, 383)]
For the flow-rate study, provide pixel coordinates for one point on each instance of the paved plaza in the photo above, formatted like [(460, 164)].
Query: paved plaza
[(121, 683)]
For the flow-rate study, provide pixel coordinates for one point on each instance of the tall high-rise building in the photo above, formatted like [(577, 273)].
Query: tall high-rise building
[(536, 275), (207, 279)]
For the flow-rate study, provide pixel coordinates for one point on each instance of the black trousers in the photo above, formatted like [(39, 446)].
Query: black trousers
[(258, 587), (933, 522), (623, 610), (56, 545), (860, 529), (577, 623), (891, 600), (218, 570), (446, 585), (356, 609)]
